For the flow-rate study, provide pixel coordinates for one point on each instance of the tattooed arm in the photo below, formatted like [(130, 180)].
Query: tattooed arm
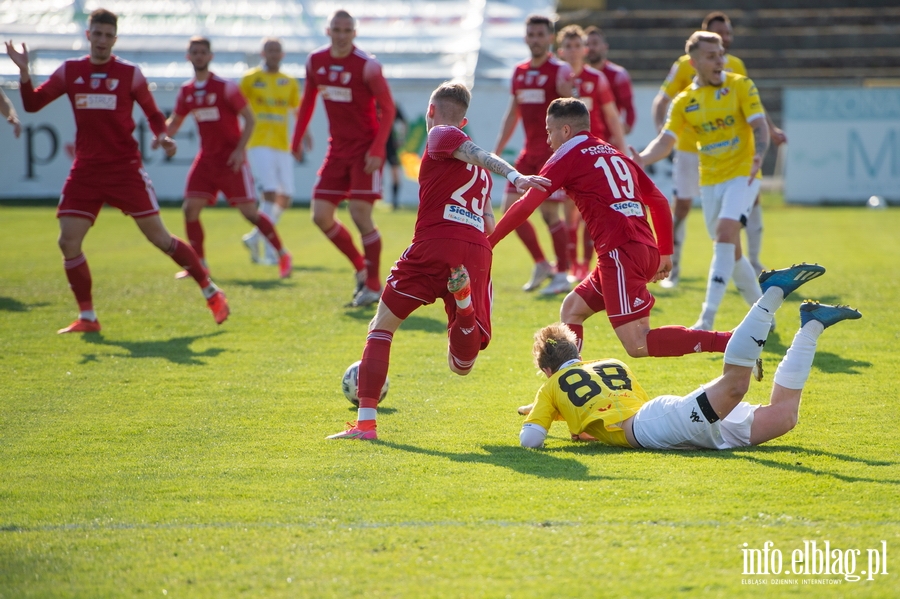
[(761, 141), (471, 153)]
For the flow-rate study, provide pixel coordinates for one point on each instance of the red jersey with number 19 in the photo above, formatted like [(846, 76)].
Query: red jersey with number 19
[(216, 104), (452, 193), (610, 190), (102, 97)]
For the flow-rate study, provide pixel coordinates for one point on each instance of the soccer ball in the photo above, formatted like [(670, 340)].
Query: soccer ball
[(350, 384)]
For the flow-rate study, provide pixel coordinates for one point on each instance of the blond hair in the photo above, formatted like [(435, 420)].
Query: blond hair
[(699, 37), (452, 99), (569, 31), (554, 345)]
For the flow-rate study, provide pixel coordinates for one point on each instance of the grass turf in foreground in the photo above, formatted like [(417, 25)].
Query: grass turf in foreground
[(170, 455)]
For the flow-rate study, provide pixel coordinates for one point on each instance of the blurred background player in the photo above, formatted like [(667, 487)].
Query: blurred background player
[(535, 83), (221, 164), (725, 111), (603, 401), (395, 141), (591, 87), (686, 174), (613, 194), (360, 117), (8, 111), (618, 77), (272, 96), (107, 168), (449, 258)]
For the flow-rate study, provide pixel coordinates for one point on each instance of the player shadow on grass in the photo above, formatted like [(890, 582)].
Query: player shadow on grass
[(794, 464), (175, 350), (9, 304), (412, 323), (536, 463)]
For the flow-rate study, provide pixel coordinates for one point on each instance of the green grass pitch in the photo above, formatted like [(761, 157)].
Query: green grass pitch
[(168, 456)]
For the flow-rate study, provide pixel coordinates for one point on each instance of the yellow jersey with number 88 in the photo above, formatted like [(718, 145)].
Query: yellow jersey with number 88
[(592, 397)]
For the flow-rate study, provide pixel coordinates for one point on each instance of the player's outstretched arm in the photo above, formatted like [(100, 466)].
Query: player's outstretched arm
[(658, 149), (510, 119), (8, 111), (761, 141), (471, 153), (20, 59)]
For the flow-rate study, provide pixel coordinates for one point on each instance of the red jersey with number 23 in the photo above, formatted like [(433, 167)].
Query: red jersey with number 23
[(216, 104), (610, 190), (452, 193)]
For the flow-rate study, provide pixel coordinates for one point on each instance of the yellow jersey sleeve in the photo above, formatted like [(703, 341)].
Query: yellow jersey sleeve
[(591, 397)]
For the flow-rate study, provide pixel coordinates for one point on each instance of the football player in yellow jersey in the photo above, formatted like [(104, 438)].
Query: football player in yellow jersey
[(725, 112), (685, 165), (602, 401), (272, 95)]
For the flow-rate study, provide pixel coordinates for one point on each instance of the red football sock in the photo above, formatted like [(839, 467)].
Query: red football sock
[(464, 338), (195, 236), (372, 249), (527, 234), (374, 367), (267, 228), (578, 329), (560, 235), (185, 257), (572, 246), (340, 237), (79, 276), (673, 341)]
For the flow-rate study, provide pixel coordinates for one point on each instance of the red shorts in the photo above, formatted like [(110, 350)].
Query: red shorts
[(127, 188), (618, 284), (207, 178), (342, 179), (531, 164), (420, 276)]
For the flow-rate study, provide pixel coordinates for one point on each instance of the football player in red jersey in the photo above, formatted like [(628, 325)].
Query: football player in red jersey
[(535, 83), (107, 168), (613, 194), (360, 117), (221, 164), (449, 258), (619, 79)]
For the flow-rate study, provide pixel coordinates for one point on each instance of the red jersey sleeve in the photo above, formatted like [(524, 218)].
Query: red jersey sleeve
[(625, 98), (307, 105), (141, 93), (378, 84), (660, 212), (444, 140), (33, 99), (604, 90), (181, 107), (563, 75), (234, 96)]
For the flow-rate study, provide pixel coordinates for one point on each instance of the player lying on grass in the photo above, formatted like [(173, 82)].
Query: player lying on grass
[(601, 400)]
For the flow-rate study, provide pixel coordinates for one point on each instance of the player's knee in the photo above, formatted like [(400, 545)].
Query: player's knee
[(636, 351), (737, 387)]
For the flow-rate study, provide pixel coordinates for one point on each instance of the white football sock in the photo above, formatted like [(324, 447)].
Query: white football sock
[(720, 270), (366, 414), (754, 230), (745, 279), (88, 315), (794, 368), (748, 339)]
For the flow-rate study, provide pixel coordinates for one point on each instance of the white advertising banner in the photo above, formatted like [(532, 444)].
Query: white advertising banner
[(36, 165), (844, 145)]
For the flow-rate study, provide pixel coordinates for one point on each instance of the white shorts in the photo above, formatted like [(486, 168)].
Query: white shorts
[(272, 169), (672, 422), (732, 199), (686, 174)]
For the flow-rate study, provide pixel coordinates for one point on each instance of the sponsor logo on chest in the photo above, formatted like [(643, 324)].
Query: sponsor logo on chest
[(458, 214), (207, 114), (333, 93), (95, 101), (628, 208)]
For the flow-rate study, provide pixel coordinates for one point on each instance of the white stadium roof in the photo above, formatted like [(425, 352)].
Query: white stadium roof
[(436, 39)]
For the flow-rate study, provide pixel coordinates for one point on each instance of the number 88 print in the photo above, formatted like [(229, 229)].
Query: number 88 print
[(581, 385)]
